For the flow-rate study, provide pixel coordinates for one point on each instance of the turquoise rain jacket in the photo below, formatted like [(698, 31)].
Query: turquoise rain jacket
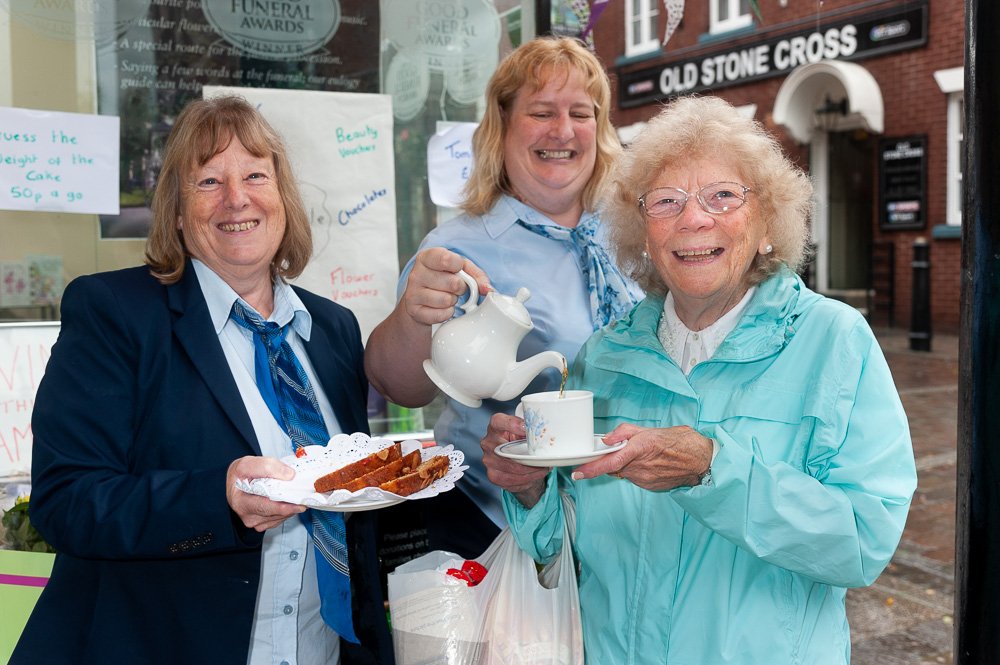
[(807, 497)]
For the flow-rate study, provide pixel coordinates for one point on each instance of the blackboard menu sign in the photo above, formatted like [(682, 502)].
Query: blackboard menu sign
[(903, 182)]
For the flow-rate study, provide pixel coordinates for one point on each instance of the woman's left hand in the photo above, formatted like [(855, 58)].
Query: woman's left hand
[(527, 483), (654, 459)]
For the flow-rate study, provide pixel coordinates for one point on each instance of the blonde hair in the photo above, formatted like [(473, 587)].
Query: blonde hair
[(709, 128), (530, 67), (203, 129)]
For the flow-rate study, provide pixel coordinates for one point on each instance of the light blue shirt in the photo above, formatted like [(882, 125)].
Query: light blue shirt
[(512, 257), (288, 628)]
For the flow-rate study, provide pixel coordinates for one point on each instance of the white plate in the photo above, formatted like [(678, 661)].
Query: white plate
[(358, 505), (518, 451), (341, 450)]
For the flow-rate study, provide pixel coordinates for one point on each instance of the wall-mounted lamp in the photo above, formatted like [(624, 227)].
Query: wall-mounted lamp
[(828, 115)]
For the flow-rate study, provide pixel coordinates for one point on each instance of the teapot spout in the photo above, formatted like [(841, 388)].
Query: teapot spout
[(520, 374)]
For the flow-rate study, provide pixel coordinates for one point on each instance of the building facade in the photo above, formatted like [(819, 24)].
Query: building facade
[(864, 95)]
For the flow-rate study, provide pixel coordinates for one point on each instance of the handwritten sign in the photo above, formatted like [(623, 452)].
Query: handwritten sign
[(341, 148), (61, 162), (449, 162), (24, 350)]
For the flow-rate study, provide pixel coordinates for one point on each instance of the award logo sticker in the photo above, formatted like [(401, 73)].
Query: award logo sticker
[(408, 81), (277, 29), (442, 30), (466, 74)]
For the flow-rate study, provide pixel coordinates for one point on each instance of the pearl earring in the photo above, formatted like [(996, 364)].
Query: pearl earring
[(768, 249), (645, 254)]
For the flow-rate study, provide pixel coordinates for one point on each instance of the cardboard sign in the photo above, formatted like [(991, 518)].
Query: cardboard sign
[(24, 351)]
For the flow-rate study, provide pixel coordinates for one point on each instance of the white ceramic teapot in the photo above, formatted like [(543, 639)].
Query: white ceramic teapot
[(474, 356)]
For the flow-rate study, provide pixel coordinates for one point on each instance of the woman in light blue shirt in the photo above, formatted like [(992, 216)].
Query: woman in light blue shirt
[(541, 152), (768, 465)]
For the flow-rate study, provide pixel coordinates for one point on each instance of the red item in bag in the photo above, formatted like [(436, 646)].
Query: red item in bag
[(475, 571), (459, 574)]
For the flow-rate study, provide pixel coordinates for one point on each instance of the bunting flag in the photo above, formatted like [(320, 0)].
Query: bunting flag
[(595, 10), (675, 12)]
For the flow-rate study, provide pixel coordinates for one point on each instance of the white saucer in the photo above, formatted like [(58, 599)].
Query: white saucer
[(518, 451)]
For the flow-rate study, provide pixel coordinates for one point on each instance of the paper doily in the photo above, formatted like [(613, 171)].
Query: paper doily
[(341, 450)]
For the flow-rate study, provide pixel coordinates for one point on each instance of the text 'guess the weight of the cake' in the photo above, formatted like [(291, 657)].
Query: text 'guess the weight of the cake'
[(65, 162), (45, 177)]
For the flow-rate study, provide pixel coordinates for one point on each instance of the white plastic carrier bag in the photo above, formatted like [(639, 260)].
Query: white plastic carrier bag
[(447, 611)]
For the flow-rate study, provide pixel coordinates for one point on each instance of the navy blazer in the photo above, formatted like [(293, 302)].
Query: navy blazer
[(136, 421)]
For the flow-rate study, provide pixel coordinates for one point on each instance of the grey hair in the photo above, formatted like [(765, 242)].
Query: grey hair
[(709, 128)]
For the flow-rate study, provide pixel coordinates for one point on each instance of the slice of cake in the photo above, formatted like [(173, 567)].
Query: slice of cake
[(337, 479), (400, 467), (425, 474)]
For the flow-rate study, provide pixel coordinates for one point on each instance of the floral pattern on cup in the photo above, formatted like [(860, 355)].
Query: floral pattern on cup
[(535, 426), (558, 424)]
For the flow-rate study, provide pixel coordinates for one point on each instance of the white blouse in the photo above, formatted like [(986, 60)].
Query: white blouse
[(688, 348)]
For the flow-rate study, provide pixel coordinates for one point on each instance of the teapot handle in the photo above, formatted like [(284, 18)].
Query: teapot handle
[(473, 301)]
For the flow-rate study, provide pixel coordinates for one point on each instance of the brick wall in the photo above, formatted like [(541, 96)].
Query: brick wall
[(913, 104)]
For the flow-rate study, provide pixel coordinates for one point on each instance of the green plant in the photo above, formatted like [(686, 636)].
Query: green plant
[(20, 534)]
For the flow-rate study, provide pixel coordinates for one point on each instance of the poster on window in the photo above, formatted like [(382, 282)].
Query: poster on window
[(59, 162), (160, 53), (341, 148), (24, 351)]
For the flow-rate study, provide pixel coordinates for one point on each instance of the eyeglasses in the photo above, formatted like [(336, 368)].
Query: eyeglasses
[(717, 198)]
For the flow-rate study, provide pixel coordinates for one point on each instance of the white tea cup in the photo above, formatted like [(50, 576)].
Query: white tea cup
[(558, 426)]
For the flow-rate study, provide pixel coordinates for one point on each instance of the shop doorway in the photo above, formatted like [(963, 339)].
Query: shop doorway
[(851, 192), (836, 108)]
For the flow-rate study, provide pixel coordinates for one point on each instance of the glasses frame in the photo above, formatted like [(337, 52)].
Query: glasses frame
[(697, 195)]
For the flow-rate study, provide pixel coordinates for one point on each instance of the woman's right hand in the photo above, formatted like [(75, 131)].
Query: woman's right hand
[(527, 483), (433, 286), (397, 347)]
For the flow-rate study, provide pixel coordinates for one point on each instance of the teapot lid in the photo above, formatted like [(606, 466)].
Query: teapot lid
[(512, 306)]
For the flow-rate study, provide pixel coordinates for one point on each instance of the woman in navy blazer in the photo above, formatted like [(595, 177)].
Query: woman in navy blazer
[(140, 429)]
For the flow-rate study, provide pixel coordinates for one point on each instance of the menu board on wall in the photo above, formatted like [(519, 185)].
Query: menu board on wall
[(164, 51), (341, 149), (902, 170), (24, 351)]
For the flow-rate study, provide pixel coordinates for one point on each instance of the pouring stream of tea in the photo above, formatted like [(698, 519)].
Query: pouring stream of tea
[(565, 375)]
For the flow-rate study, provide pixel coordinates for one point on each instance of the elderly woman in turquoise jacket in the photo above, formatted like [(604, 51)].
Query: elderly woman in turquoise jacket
[(769, 465)]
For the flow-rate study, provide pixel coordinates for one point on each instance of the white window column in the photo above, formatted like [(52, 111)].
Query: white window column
[(952, 83)]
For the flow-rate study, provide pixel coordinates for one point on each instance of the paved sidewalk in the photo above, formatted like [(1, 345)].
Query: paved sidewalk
[(905, 618)]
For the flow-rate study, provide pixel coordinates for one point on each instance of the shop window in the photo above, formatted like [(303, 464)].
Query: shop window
[(728, 15), (640, 27), (141, 61), (568, 19)]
